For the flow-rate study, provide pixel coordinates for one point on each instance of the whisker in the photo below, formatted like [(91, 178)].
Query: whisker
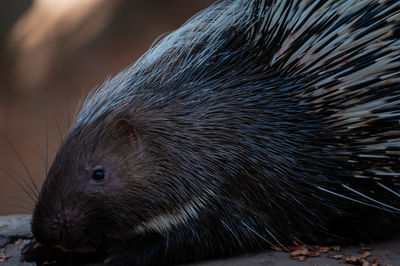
[(48, 108), (20, 200), (22, 163), (78, 198), (15, 207), (68, 114), (46, 169), (32, 197)]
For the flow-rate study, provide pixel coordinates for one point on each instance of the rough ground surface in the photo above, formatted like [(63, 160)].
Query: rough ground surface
[(15, 232)]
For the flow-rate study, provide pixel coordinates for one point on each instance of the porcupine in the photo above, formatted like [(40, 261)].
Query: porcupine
[(254, 124)]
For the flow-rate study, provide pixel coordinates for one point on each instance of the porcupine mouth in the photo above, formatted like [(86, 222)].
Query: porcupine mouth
[(84, 247)]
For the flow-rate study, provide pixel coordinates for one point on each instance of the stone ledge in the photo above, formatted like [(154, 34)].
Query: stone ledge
[(15, 233)]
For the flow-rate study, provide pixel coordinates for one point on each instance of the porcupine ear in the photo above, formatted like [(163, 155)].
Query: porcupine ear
[(127, 136)]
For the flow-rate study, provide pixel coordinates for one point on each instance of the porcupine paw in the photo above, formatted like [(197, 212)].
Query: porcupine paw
[(36, 252)]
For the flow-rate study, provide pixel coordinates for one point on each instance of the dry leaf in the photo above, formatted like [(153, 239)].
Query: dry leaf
[(276, 248), (366, 254), (366, 249), (4, 258), (299, 252), (315, 253), (324, 249), (352, 259)]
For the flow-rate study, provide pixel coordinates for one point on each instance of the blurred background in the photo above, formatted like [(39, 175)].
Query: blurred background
[(52, 52)]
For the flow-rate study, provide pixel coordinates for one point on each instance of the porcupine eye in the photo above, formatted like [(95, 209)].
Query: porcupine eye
[(99, 175)]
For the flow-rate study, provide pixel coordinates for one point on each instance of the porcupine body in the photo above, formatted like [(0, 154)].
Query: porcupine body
[(254, 124)]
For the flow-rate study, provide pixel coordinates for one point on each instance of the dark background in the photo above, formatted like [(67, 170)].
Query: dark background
[(51, 54)]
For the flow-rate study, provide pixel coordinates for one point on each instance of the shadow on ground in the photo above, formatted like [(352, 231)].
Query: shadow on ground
[(15, 233)]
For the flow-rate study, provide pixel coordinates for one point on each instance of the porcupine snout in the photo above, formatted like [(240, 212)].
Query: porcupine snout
[(63, 229)]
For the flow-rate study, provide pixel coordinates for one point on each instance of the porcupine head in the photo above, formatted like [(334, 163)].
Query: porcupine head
[(245, 127)]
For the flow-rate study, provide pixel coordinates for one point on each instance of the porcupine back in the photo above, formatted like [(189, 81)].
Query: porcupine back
[(285, 110)]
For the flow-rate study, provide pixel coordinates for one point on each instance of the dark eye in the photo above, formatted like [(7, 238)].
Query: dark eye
[(99, 175)]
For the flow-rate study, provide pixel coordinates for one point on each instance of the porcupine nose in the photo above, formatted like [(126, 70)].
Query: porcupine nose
[(61, 223), (65, 229)]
